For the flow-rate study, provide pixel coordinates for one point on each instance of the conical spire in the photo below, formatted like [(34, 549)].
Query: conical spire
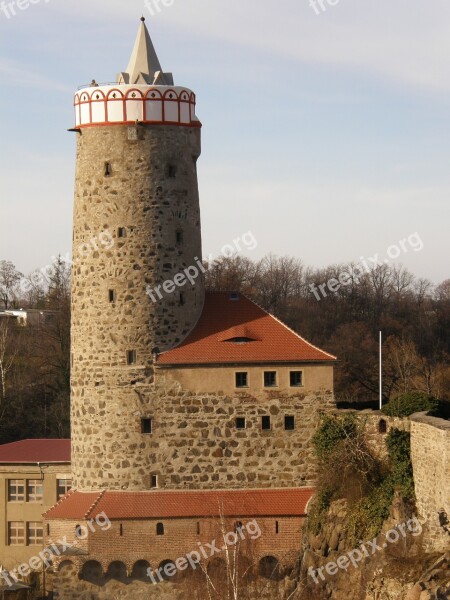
[(144, 66)]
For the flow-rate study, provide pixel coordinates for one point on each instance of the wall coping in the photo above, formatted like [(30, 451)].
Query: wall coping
[(426, 419)]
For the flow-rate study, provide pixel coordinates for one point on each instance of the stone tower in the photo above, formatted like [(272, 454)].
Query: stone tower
[(137, 284)]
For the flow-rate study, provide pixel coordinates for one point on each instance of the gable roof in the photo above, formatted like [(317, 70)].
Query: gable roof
[(34, 451), (183, 504), (225, 318)]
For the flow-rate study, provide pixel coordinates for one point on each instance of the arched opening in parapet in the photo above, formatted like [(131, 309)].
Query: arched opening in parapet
[(269, 568), (382, 426), (168, 570), (117, 570), (140, 570), (92, 571)]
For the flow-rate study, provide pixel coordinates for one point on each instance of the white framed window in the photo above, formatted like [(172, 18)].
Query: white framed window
[(16, 490), (63, 486), (35, 490), (35, 533), (16, 533)]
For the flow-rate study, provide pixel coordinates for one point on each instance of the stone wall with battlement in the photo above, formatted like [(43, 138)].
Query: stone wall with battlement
[(430, 452)]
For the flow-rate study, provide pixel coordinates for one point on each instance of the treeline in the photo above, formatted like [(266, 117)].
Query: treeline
[(340, 309), (35, 359), (412, 313)]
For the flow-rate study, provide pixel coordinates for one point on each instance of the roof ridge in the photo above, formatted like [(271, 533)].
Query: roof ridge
[(288, 328), (60, 501), (94, 504)]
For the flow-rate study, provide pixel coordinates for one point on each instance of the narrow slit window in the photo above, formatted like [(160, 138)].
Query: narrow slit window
[(108, 170), (179, 237), (131, 357), (240, 422), (289, 423), (198, 527), (154, 481), (147, 428), (121, 530), (121, 232), (182, 299), (382, 426), (112, 296), (159, 528), (265, 423), (172, 171), (277, 527)]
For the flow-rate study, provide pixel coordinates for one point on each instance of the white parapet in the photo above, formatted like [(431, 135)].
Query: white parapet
[(121, 103)]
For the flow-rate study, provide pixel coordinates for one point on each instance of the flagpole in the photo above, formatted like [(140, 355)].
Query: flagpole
[(381, 370)]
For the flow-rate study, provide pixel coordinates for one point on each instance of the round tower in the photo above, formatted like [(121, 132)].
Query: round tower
[(137, 279)]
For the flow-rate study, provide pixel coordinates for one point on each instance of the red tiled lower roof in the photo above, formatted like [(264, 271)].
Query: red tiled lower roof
[(34, 451), (183, 504), (223, 319)]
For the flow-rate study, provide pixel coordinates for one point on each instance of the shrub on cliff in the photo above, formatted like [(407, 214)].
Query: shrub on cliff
[(410, 403)]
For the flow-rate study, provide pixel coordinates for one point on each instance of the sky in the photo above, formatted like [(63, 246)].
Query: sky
[(325, 130)]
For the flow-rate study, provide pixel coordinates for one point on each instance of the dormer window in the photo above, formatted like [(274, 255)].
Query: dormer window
[(240, 340)]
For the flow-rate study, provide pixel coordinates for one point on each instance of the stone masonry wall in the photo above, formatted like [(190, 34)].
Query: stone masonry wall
[(430, 452), (195, 443), (136, 225)]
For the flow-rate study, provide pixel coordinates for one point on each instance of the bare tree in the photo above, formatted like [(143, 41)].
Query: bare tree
[(8, 352), (9, 280)]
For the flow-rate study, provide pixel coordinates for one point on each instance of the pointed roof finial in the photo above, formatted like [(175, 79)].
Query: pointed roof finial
[(144, 66)]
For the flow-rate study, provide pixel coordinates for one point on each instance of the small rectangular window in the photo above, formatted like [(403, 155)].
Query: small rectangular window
[(16, 490), (16, 533), (121, 530), (107, 169), (182, 299), (172, 171), (179, 237), (147, 426), (265, 423), (35, 490), (198, 527), (270, 378), (289, 423), (121, 232), (35, 533), (131, 357), (277, 527), (240, 422), (112, 296), (296, 378), (242, 380), (154, 480), (63, 486)]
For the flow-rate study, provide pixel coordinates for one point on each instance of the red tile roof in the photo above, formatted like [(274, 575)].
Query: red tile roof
[(183, 504), (223, 319), (34, 451)]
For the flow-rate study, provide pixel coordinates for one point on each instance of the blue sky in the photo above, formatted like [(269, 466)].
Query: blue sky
[(326, 135)]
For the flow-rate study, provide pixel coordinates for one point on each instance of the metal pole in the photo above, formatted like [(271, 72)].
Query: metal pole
[(381, 370)]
